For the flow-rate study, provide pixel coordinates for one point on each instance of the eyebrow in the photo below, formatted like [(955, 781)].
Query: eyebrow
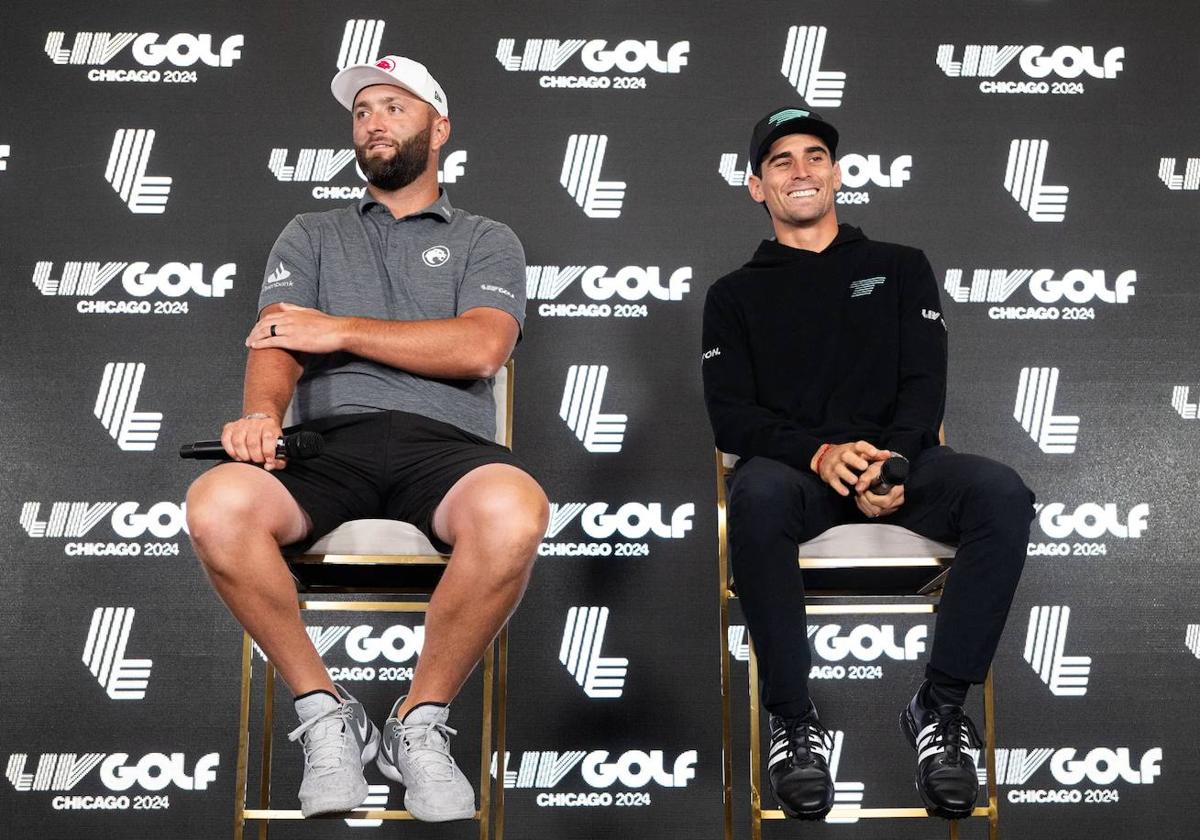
[(382, 100), (788, 154)]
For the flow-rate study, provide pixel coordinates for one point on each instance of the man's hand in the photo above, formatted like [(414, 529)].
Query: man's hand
[(875, 504), (253, 439), (297, 328), (840, 466)]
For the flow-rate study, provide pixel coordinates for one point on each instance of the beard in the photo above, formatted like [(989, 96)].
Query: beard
[(408, 163)]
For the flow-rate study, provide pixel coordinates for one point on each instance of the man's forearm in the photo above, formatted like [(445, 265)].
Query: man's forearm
[(450, 348), (271, 376)]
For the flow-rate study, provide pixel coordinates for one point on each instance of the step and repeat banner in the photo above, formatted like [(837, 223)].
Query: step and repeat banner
[(1046, 158)]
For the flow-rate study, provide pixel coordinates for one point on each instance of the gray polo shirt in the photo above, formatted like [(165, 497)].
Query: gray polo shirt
[(360, 261)]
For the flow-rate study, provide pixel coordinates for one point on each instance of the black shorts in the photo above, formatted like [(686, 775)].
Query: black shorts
[(384, 465)]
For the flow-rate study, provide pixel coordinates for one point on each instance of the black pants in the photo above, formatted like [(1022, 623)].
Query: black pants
[(978, 504)]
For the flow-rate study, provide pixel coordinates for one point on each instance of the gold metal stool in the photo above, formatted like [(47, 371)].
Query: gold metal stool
[(371, 556), (903, 573)]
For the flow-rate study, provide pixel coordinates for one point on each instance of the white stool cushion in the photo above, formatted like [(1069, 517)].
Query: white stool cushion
[(373, 536), (873, 540)]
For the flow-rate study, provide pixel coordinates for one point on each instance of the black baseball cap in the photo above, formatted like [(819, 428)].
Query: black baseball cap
[(791, 119)]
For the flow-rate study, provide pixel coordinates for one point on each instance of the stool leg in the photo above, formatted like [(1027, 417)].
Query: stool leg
[(755, 751), (239, 785), (485, 748), (989, 719), (501, 723), (953, 829), (726, 725), (264, 788)]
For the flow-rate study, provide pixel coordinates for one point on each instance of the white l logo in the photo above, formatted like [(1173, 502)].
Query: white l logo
[(1023, 178), (581, 177), (116, 403), (583, 636), (1054, 433), (360, 43), (126, 171), (582, 396), (1067, 676), (802, 67), (104, 654)]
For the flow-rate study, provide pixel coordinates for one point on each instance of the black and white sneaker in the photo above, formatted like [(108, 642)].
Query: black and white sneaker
[(947, 746), (798, 766)]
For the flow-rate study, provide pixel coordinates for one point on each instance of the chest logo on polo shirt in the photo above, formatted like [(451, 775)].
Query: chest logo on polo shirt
[(864, 287), (435, 256)]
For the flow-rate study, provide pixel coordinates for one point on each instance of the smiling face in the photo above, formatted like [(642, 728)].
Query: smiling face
[(798, 182), (396, 135)]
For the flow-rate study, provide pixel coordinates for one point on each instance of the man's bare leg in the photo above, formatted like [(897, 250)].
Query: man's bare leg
[(238, 516), (495, 516)]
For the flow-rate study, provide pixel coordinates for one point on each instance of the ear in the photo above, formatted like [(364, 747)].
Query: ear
[(440, 134), (756, 189), (837, 176)]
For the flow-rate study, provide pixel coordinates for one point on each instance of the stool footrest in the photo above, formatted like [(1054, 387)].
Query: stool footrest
[(356, 814), (873, 813)]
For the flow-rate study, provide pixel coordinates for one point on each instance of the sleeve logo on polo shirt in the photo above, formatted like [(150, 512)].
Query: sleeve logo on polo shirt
[(488, 287), (435, 256), (278, 277)]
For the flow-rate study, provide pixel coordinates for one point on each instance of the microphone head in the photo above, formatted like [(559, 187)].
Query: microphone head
[(895, 471), (301, 445)]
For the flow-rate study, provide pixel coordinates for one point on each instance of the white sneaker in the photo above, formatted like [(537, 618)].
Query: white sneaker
[(338, 740), (416, 753)]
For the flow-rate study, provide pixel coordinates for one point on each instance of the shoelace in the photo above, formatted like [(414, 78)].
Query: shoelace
[(955, 733), (428, 744), (323, 748), (816, 738)]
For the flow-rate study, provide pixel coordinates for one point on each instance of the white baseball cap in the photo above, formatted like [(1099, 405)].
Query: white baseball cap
[(389, 70)]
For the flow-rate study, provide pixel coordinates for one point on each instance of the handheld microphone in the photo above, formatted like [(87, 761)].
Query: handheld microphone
[(296, 446), (894, 472)]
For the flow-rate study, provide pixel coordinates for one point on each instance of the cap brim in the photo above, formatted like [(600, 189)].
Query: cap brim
[(347, 83), (801, 125)]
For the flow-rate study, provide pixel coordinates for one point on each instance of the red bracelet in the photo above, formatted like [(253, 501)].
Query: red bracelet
[(825, 447)]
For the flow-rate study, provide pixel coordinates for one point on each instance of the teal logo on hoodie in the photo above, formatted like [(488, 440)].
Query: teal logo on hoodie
[(864, 287)]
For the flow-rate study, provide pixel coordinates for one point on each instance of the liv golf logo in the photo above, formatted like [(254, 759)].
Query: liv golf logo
[(1067, 63), (583, 637), (116, 407), (802, 67), (583, 395), (630, 285), (182, 50), (1067, 676), (1182, 403), (320, 166), (547, 55), (1023, 180), (1077, 287), (859, 174), (581, 177), (1055, 434), (104, 654), (126, 172)]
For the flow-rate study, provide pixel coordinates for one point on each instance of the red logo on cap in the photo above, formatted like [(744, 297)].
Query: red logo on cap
[(386, 64)]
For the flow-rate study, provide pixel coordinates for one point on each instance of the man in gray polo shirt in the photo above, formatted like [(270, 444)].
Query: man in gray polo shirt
[(383, 324)]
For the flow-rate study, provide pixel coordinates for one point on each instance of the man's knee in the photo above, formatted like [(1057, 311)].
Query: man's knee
[(224, 507), (508, 519)]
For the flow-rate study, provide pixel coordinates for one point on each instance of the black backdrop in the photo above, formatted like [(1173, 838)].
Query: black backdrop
[(118, 657)]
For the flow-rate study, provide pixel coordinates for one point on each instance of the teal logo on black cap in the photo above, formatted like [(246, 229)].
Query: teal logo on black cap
[(787, 114)]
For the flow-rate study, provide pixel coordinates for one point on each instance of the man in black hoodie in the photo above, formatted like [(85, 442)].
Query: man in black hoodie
[(824, 356)]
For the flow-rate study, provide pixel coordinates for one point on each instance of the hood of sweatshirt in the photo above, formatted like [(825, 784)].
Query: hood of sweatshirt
[(771, 253)]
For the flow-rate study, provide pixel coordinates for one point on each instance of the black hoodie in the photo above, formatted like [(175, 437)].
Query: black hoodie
[(803, 348)]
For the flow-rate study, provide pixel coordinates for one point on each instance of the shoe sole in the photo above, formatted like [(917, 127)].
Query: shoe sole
[(931, 808), (392, 772), (804, 816)]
